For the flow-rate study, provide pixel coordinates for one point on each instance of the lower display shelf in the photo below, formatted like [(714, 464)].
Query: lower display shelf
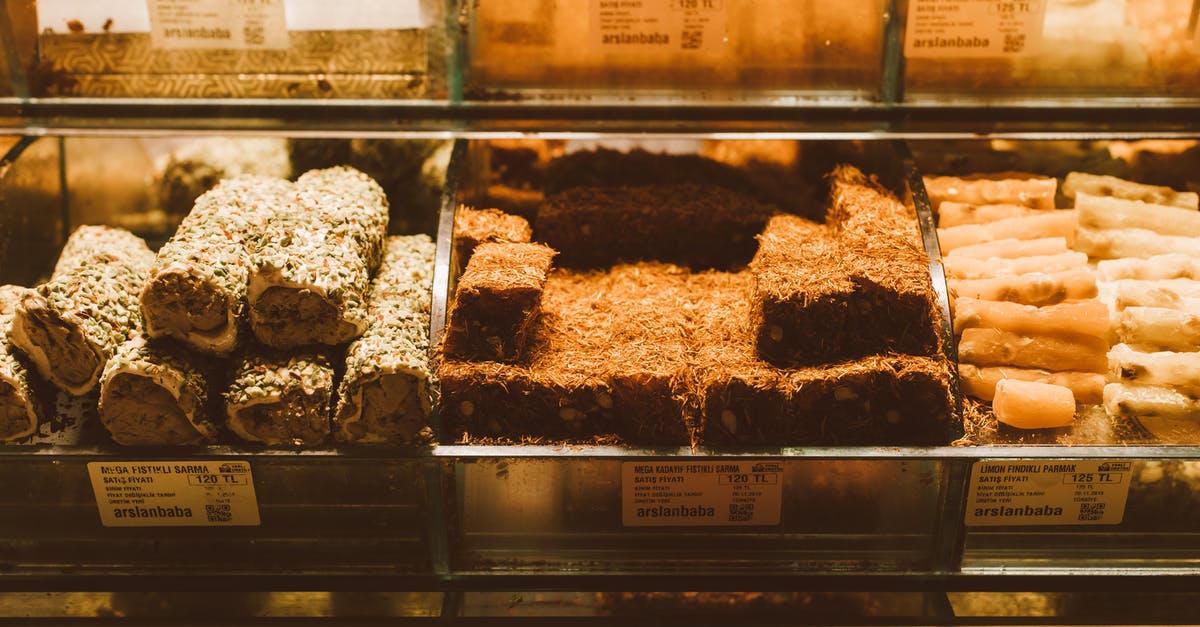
[(522, 606), (439, 517)]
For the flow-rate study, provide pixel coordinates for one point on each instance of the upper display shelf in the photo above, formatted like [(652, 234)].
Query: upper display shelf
[(513, 65)]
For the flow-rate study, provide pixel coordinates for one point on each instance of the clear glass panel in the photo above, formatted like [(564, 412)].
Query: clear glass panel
[(794, 607), (1089, 48), (547, 515), (230, 605), (372, 49), (1160, 530), (323, 513), (718, 50)]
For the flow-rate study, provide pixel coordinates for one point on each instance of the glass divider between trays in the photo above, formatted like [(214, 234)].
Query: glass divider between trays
[(891, 89), (12, 56), (443, 261), (950, 532), (456, 49)]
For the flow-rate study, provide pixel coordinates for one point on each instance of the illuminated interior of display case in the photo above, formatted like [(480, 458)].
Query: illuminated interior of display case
[(599, 310)]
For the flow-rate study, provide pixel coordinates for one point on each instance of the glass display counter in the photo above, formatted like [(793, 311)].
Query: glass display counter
[(446, 106)]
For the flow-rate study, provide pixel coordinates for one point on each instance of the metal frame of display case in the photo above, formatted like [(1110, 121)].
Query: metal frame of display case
[(439, 491), (890, 119)]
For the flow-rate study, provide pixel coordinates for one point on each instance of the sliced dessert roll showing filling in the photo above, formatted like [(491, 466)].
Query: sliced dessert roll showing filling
[(70, 326), (386, 395), (155, 395), (19, 408), (311, 268), (197, 290), (280, 399)]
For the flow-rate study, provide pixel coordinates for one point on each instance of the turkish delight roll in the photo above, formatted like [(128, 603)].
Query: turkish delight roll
[(155, 394), (197, 291), (1030, 191), (19, 408), (385, 395), (280, 399), (70, 326), (497, 301), (311, 269)]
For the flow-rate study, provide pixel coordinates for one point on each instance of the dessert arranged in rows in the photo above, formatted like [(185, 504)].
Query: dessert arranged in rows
[(1061, 309), (268, 295), (670, 310)]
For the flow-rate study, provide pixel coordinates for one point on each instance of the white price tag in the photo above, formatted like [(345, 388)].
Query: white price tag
[(657, 26), (974, 28), (1041, 492), (698, 494), (218, 24), (174, 493)]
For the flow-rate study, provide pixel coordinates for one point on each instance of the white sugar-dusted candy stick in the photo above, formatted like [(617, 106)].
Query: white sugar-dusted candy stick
[(993, 347), (1180, 370), (1173, 266), (1167, 329), (980, 382), (1099, 185), (1131, 401), (1097, 212), (1084, 318), (1143, 243), (1179, 294)]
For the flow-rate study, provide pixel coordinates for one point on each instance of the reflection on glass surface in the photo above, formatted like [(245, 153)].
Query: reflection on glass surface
[(378, 49), (1098, 48), (742, 51)]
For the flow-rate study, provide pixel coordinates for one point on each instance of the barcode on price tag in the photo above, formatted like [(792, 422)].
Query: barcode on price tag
[(701, 494)]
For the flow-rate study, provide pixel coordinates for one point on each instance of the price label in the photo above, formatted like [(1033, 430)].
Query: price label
[(218, 24), (699, 494), (1068, 492), (657, 26), (974, 28), (174, 494)]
